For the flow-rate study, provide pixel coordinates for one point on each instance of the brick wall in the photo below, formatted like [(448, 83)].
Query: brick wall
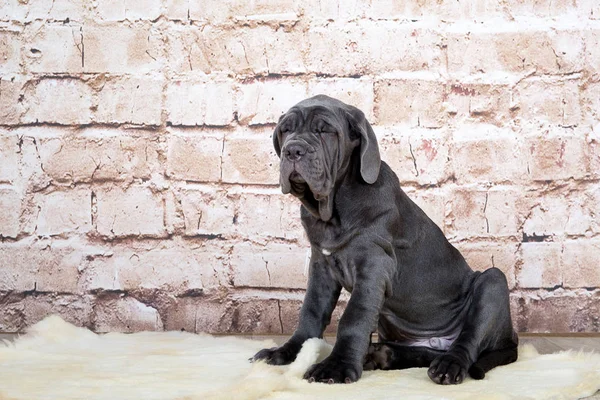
[(138, 186)]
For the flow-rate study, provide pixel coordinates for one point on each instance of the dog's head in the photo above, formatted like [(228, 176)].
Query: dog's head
[(315, 141)]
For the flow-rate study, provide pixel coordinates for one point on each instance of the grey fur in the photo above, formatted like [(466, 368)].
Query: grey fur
[(406, 280)]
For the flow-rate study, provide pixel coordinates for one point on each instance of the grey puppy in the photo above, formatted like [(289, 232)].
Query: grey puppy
[(407, 282)]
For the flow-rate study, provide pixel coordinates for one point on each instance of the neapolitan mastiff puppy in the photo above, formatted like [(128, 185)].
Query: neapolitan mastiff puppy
[(406, 280)]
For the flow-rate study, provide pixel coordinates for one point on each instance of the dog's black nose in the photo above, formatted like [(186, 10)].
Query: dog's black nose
[(295, 152)]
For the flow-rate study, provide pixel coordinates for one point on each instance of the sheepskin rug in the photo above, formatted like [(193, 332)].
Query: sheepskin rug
[(58, 361)]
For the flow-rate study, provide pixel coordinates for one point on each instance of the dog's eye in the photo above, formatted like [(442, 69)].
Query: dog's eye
[(323, 128)]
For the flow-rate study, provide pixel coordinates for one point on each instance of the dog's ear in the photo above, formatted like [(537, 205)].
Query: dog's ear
[(276, 143), (370, 160)]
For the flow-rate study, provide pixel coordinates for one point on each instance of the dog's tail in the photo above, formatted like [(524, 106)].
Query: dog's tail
[(492, 359)]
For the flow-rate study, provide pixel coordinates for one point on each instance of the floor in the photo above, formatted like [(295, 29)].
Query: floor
[(543, 343)]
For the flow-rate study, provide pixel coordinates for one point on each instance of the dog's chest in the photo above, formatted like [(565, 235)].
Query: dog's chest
[(333, 242), (334, 247)]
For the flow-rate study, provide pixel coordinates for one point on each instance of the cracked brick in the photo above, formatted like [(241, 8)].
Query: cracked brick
[(125, 314), (93, 155), (200, 103), (135, 100), (135, 211), (279, 266), (73, 95), (415, 102)]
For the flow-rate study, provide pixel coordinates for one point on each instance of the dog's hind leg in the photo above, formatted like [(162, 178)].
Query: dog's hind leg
[(491, 359), (487, 331), (390, 355)]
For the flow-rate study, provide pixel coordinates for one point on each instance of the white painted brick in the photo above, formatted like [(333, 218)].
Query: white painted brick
[(372, 47), (356, 92), (416, 154), (132, 212), (479, 212), (63, 212), (61, 101), (126, 314), (267, 215), (416, 102), (120, 10), (502, 211), (121, 49), (551, 102), (91, 156), (547, 218), (248, 51), (12, 10), (263, 102), (11, 108), (130, 100), (10, 51), (540, 8), (195, 158), (480, 102), (207, 212), (580, 263), (590, 9), (200, 103), (250, 159), (74, 309), (10, 210), (177, 9), (54, 10), (483, 152), (39, 266), (593, 206), (277, 266), (9, 158), (557, 155), (171, 266), (32, 177), (522, 51), (417, 9), (480, 107), (590, 107), (320, 11), (541, 265), (54, 49), (219, 11)]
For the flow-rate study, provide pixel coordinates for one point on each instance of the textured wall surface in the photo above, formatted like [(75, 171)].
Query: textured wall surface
[(138, 186)]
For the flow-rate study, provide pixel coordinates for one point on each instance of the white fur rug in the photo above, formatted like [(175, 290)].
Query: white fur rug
[(58, 361)]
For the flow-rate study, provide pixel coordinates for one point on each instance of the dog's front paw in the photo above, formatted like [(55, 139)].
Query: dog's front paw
[(278, 355), (447, 369), (334, 370)]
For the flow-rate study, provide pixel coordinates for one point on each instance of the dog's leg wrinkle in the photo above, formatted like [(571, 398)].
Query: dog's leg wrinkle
[(487, 332)]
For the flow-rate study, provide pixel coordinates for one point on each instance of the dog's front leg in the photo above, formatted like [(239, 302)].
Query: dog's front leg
[(345, 363), (320, 299)]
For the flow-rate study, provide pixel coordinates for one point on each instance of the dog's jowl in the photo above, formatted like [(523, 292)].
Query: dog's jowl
[(407, 282)]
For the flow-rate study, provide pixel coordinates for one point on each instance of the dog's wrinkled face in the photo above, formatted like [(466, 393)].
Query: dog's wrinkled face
[(310, 152), (315, 140)]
